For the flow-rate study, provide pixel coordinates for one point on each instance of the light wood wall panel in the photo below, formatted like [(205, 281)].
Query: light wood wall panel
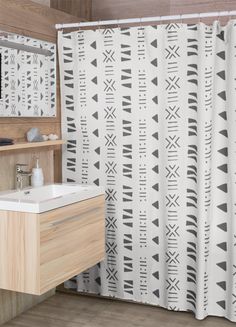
[(32, 19), (11, 303), (117, 9), (35, 20), (9, 159), (79, 8)]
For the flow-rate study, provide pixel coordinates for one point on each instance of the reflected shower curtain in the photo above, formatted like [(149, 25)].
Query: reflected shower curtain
[(150, 114)]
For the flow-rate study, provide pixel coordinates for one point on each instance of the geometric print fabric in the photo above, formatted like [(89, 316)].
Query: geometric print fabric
[(150, 114)]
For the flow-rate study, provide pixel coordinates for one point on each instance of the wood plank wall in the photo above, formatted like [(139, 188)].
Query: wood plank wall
[(30, 19), (79, 8), (117, 9)]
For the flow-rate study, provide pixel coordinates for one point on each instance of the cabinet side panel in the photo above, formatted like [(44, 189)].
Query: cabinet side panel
[(19, 252)]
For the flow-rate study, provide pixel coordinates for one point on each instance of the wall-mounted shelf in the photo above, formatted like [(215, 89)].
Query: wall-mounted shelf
[(28, 145)]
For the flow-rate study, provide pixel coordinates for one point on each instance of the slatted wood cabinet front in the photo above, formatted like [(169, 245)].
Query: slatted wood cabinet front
[(40, 251)]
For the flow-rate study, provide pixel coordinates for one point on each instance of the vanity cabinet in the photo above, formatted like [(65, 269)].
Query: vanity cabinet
[(39, 251)]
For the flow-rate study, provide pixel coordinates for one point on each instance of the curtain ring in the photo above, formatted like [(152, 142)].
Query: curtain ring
[(140, 22), (200, 19), (181, 19), (99, 25)]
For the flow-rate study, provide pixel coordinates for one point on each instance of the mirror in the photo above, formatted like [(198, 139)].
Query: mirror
[(27, 77)]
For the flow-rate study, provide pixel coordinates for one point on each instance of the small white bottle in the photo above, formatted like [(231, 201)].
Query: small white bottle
[(37, 178)]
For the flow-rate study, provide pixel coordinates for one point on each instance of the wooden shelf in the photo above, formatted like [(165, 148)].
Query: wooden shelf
[(28, 145)]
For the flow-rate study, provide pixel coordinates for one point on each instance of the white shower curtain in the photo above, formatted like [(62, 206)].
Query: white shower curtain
[(150, 114)]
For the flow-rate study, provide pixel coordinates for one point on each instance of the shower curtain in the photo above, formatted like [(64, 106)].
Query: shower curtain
[(149, 113)]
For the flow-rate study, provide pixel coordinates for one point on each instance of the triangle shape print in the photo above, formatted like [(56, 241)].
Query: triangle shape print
[(96, 182), (222, 265), (224, 132), (222, 95), (222, 285), (97, 150), (154, 62), (156, 187), (221, 304), (155, 99), (223, 207), (94, 62), (222, 246), (156, 240), (224, 151), (155, 81), (95, 80), (95, 98), (221, 35), (223, 168), (221, 74), (156, 136), (156, 257), (154, 43), (95, 115), (156, 169), (223, 115), (156, 204), (156, 274), (156, 153), (94, 45), (156, 222), (155, 118), (95, 132), (223, 227), (156, 293), (221, 55), (223, 188)]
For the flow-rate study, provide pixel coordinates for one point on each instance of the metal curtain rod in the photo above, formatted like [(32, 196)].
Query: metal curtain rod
[(147, 19), (22, 47)]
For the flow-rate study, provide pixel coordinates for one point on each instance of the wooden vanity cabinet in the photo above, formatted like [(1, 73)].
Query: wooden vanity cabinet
[(40, 251)]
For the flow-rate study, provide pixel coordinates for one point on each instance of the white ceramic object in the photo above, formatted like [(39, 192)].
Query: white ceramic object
[(47, 197), (45, 137), (53, 137), (37, 178)]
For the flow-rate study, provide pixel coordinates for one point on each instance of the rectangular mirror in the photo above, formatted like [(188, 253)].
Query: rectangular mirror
[(28, 77)]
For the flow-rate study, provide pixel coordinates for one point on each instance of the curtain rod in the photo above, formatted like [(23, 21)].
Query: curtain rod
[(22, 47), (146, 19)]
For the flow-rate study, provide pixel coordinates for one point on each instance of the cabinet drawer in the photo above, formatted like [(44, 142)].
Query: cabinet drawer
[(71, 240)]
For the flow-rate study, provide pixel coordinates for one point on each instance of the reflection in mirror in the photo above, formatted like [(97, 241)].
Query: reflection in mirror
[(27, 77)]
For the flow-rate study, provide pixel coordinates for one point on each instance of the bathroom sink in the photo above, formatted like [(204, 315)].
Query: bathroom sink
[(47, 197)]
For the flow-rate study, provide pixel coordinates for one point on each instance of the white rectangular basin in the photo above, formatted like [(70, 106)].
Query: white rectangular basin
[(47, 197)]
